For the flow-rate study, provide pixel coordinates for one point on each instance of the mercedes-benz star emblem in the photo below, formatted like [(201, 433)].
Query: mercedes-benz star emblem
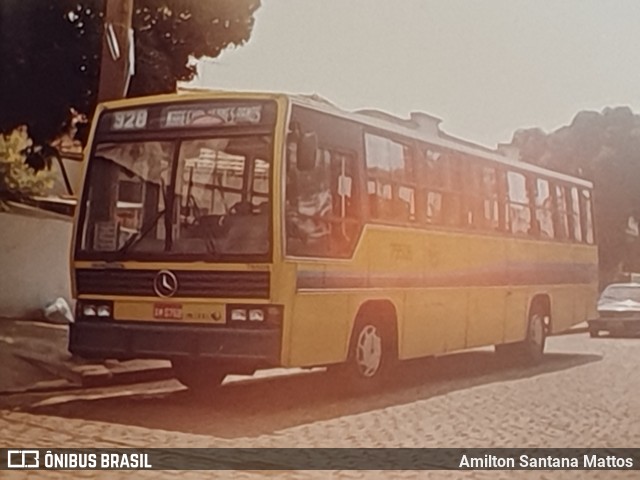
[(165, 284)]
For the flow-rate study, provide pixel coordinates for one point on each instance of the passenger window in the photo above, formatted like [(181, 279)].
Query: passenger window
[(519, 208), (452, 201), (587, 217), (490, 205), (407, 201), (441, 175), (544, 209), (561, 213), (431, 173), (433, 210), (575, 215), (390, 179)]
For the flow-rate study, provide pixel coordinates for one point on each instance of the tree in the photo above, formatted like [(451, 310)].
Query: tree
[(604, 148), (168, 35), (50, 53), (17, 179)]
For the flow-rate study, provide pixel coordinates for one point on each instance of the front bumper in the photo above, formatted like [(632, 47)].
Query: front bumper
[(122, 340), (616, 326)]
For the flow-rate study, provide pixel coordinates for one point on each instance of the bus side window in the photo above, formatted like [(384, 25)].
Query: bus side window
[(406, 186), (477, 196), (519, 205), (452, 213), (490, 195), (574, 217), (390, 179), (544, 208), (503, 200), (447, 196), (587, 217), (561, 223), (431, 175)]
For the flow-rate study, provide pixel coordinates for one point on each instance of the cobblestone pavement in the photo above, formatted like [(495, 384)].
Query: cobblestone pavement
[(585, 394)]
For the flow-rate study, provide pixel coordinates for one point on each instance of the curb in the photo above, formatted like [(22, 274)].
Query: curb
[(43, 345), (123, 373), (73, 377)]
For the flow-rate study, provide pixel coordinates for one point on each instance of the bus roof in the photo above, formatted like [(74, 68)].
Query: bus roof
[(408, 128), (373, 118)]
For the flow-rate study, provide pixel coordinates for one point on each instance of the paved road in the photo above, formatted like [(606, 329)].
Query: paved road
[(585, 394)]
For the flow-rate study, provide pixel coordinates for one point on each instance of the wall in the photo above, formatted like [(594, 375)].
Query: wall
[(34, 261)]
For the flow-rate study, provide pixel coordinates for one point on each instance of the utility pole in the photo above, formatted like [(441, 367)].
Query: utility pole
[(117, 63)]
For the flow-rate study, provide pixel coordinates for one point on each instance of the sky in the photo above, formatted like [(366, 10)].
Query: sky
[(485, 67)]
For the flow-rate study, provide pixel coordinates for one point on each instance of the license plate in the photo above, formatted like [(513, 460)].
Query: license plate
[(167, 311)]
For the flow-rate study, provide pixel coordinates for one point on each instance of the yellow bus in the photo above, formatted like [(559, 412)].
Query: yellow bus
[(229, 232)]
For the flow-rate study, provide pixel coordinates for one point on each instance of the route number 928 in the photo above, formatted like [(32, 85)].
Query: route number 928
[(130, 120)]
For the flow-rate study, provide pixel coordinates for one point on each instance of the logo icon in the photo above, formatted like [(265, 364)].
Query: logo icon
[(23, 459), (165, 284)]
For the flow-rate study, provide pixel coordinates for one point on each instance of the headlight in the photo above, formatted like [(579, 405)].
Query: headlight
[(239, 315), (94, 308), (256, 315)]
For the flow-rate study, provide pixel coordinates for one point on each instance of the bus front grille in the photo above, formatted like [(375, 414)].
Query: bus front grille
[(189, 283)]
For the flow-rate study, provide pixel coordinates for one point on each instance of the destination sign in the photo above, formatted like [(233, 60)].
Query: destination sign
[(189, 115), (199, 116)]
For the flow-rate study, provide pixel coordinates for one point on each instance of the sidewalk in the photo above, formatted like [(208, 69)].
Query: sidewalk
[(34, 356)]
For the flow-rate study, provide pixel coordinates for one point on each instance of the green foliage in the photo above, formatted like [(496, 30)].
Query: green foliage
[(50, 53), (604, 148), (170, 32), (17, 179)]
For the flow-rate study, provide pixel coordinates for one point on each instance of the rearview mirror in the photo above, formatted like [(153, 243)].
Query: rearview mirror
[(307, 148)]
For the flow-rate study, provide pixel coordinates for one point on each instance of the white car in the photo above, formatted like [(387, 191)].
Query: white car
[(618, 311)]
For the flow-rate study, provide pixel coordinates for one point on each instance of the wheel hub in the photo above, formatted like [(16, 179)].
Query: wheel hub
[(369, 351)]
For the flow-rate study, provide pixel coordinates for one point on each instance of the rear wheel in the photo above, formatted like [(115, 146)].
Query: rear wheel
[(531, 349), (198, 375)]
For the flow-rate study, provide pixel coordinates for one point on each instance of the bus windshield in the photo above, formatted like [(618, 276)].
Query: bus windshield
[(203, 196)]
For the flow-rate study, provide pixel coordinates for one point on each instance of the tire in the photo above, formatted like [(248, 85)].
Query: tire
[(373, 352), (197, 375), (531, 350)]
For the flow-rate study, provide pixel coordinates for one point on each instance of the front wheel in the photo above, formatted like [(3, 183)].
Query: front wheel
[(373, 353), (198, 375), (367, 355)]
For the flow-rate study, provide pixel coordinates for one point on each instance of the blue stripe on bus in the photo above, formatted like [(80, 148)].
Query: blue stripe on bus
[(516, 274)]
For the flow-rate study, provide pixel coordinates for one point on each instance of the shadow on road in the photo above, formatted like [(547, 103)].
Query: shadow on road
[(248, 409)]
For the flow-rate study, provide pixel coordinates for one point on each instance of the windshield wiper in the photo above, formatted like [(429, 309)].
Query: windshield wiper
[(138, 236)]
